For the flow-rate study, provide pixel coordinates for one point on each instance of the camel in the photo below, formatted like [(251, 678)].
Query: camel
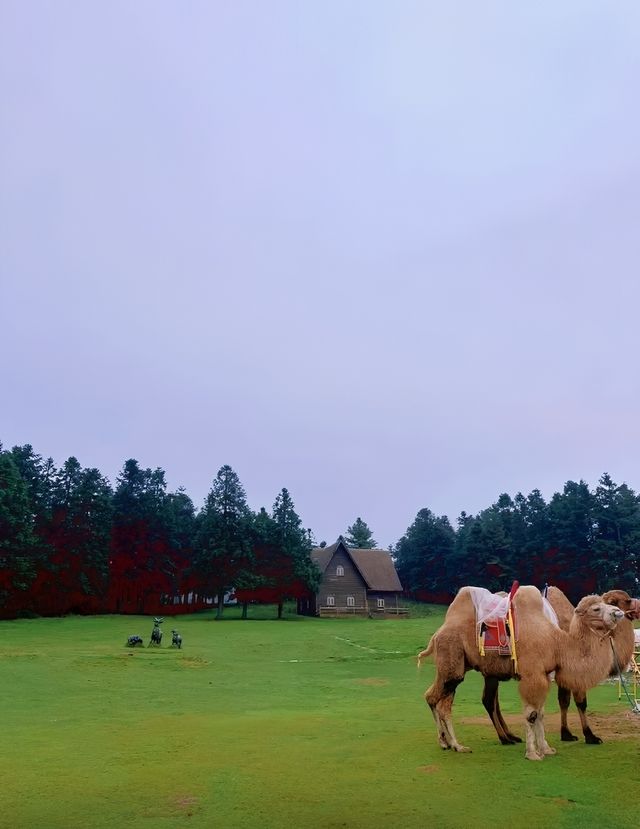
[(622, 644), (581, 658)]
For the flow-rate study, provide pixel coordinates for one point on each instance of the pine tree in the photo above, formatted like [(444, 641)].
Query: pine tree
[(140, 560), (295, 543), (80, 535), (359, 535), (616, 535), (17, 542), (224, 550), (423, 556)]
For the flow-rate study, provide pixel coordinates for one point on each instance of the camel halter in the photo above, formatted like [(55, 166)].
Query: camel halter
[(604, 635)]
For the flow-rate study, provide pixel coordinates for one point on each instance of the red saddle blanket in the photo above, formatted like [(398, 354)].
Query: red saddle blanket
[(496, 636)]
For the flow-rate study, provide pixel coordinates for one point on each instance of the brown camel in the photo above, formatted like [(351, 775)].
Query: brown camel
[(622, 644), (581, 659)]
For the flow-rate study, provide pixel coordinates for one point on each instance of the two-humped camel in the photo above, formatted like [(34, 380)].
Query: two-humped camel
[(621, 650), (581, 658)]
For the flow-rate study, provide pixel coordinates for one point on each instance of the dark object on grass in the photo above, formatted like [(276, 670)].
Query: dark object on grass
[(132, 641), (156, 633), (176, 639)]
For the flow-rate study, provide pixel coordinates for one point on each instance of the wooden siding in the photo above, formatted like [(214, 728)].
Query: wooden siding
[(340, 587), (358, 572), (391, 602)]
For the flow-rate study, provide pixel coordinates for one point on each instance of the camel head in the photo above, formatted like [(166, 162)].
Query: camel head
[(596, 614), (621, 599)]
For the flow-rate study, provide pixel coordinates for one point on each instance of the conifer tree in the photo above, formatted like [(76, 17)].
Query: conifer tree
[(224, 550), (359, 535)]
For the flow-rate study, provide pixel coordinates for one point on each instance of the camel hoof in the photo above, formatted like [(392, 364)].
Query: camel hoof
[(567, 737), (534, 756), (592, 740), (549, 752), (463, 749)]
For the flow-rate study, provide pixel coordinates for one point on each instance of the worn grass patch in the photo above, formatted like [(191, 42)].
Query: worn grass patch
[(268, 724)]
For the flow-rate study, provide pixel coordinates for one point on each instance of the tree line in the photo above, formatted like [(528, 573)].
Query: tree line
[(71, 542), (582, 541)]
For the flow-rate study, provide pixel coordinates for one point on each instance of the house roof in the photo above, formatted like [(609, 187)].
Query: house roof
[(375, 566)]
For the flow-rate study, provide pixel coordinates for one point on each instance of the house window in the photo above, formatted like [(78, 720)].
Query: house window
[(380, 604), (339, 570), (331, 600), (351, 602)]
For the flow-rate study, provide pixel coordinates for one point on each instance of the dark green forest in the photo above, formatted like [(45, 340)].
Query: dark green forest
[(71, 542)]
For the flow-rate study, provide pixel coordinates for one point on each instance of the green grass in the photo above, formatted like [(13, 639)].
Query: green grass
[(269, 724)]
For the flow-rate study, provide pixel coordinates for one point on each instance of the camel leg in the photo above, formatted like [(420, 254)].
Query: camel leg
[(541, 740), (441, 728), (564, 698), (534, 690), (440, 699), (491, 703), (433, 695), (581, 704), (530, 716), (537, 745)]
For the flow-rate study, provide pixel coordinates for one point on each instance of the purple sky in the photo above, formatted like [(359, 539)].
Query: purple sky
[(385, 254)]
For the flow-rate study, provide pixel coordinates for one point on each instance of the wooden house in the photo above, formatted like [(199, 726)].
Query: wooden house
[(354, 582)]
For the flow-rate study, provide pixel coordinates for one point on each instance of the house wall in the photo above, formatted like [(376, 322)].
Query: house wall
[(350, 584), (391, 600)]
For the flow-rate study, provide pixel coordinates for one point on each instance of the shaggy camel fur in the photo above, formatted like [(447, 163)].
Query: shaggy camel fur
[(622, 642), (580, 657)]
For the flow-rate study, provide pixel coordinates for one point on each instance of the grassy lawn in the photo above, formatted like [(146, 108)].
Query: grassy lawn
[(264, 723)]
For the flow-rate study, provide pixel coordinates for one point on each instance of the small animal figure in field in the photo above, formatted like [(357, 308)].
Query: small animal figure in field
[(156, 633), (132, 641), (176, 639)]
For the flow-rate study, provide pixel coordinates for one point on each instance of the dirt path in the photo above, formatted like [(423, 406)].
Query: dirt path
[(618, 726)]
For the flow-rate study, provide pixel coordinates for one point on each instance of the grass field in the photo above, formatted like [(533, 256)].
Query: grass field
[(264, 723)]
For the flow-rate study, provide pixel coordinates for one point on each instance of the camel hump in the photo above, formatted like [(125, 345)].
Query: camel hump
[(528, 601), (529, 595), (462, 602), (562, 606)]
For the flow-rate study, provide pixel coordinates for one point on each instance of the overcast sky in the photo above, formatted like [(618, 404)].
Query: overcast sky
[(384, 254)]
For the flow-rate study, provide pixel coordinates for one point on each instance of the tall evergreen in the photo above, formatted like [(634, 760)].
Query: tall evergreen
[(140, 561), (572, 534), (616, 544), (38, 475), (17, 542), (359, 535), (423, 555), (224, 550), (79, 535), (295, 544)]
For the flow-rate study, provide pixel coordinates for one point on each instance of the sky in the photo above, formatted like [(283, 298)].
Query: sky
[(384, 254)]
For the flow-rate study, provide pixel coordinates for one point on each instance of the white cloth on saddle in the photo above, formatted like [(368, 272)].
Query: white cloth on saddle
[(491, 607)]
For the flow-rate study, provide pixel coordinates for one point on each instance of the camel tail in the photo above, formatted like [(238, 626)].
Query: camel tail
[(427, 651)]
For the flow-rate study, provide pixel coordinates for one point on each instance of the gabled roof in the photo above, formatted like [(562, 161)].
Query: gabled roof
[(375, 566)]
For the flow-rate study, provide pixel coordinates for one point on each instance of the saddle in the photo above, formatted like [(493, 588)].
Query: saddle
[(496, 622), (495, 636)]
